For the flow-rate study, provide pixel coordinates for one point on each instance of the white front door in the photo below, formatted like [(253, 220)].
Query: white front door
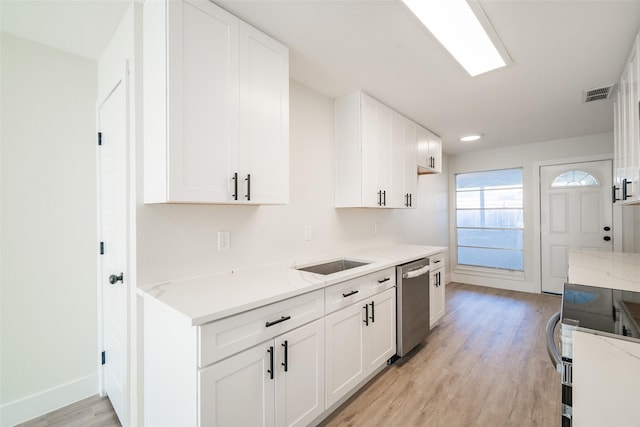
[(113, 231), (575, 213)]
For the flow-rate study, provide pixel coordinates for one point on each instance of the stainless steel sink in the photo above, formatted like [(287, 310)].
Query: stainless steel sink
[(333, 266)]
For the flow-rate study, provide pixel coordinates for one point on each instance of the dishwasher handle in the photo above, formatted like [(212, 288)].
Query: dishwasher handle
[(416, 273)]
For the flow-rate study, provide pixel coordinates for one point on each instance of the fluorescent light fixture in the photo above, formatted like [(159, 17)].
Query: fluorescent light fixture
[(471, 137), (458, 28)]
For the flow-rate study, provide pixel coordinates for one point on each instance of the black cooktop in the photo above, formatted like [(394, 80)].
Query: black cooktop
[(610, 311)]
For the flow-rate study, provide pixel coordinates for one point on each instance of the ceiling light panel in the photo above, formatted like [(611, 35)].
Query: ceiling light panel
[(457, 27)]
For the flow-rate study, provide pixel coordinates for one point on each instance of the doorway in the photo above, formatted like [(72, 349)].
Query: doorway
[(113, 282), (575, 213)]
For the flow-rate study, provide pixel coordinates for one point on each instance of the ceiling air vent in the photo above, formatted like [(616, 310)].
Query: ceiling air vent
[(596, 94)]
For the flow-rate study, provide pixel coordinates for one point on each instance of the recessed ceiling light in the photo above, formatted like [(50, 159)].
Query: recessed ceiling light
[(453, 22), (471, 137)]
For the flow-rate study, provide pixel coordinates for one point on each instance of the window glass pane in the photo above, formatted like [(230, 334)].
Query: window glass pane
[(488, 218), (574, 178), (499, 239), (495, 258), (511, 198), (489, 179)]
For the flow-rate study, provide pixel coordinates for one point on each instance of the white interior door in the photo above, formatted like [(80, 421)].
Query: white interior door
[(575, 213), (113, 230)]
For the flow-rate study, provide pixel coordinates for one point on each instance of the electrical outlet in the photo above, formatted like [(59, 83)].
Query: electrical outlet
[(224, 241), (308, 233)]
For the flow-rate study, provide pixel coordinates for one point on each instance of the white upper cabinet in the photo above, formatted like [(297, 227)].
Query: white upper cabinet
[(627, 132), (375, 155), (429, 152), (409, 148), (404, 164), (216, 107)]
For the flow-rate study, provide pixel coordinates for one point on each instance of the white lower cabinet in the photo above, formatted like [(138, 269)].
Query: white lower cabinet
[(606, 381), (436, 290), (279, 382), (359, 339), (282, 364), (236, 391)]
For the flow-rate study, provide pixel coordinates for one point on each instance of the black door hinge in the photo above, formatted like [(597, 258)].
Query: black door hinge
[(99, 138), (104, 357), (101, 248)]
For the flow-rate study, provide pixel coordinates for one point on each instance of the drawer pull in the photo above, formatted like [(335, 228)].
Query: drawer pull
[(350, 293), (275, 322), (373, 314), (437, 261), (286, 355), (366, 315), (270, 370), (386, 279)]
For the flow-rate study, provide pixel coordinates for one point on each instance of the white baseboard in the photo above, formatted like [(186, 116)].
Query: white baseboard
[(46, 401)]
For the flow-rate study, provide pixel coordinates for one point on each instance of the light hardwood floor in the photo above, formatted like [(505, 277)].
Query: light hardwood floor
[(95, 411), (484, 365)]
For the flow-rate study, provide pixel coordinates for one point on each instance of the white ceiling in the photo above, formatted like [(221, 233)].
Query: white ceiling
[(558, 49)]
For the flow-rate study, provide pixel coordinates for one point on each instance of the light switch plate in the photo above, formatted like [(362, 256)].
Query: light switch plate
[(308, 232)]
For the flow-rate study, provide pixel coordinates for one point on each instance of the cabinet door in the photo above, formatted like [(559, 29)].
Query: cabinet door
[(436, 296), (435, 152), (397, 198), (422, 136), (238, 391), (344, 351), (376, 151), (618, 161), (300, 377), (264, 117), (380, 333), (634, 127), (403, 163), (202, 107), (409, 169)]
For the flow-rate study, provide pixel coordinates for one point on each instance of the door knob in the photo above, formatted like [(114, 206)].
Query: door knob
[(606, 238), (113, 279), (607, 228)]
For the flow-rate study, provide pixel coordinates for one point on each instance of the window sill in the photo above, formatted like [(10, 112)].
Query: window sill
[(489, 272)]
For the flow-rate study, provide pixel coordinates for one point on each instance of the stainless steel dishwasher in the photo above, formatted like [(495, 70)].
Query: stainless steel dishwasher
[(412, 299)]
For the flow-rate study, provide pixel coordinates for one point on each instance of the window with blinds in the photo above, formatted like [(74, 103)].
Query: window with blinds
[(489, 219)]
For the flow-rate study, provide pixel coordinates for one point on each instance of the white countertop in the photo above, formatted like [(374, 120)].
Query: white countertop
[(207, 298), (616, 270)]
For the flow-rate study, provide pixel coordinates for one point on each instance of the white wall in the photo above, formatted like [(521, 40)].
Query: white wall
[(48, 227), (176, 241), (528, 157)]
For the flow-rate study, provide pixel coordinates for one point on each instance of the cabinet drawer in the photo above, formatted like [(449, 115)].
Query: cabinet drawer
[(346, 293), (436, 261), (228, 336)]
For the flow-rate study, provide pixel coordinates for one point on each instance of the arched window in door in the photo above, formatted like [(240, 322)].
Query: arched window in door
[(575, 178)]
